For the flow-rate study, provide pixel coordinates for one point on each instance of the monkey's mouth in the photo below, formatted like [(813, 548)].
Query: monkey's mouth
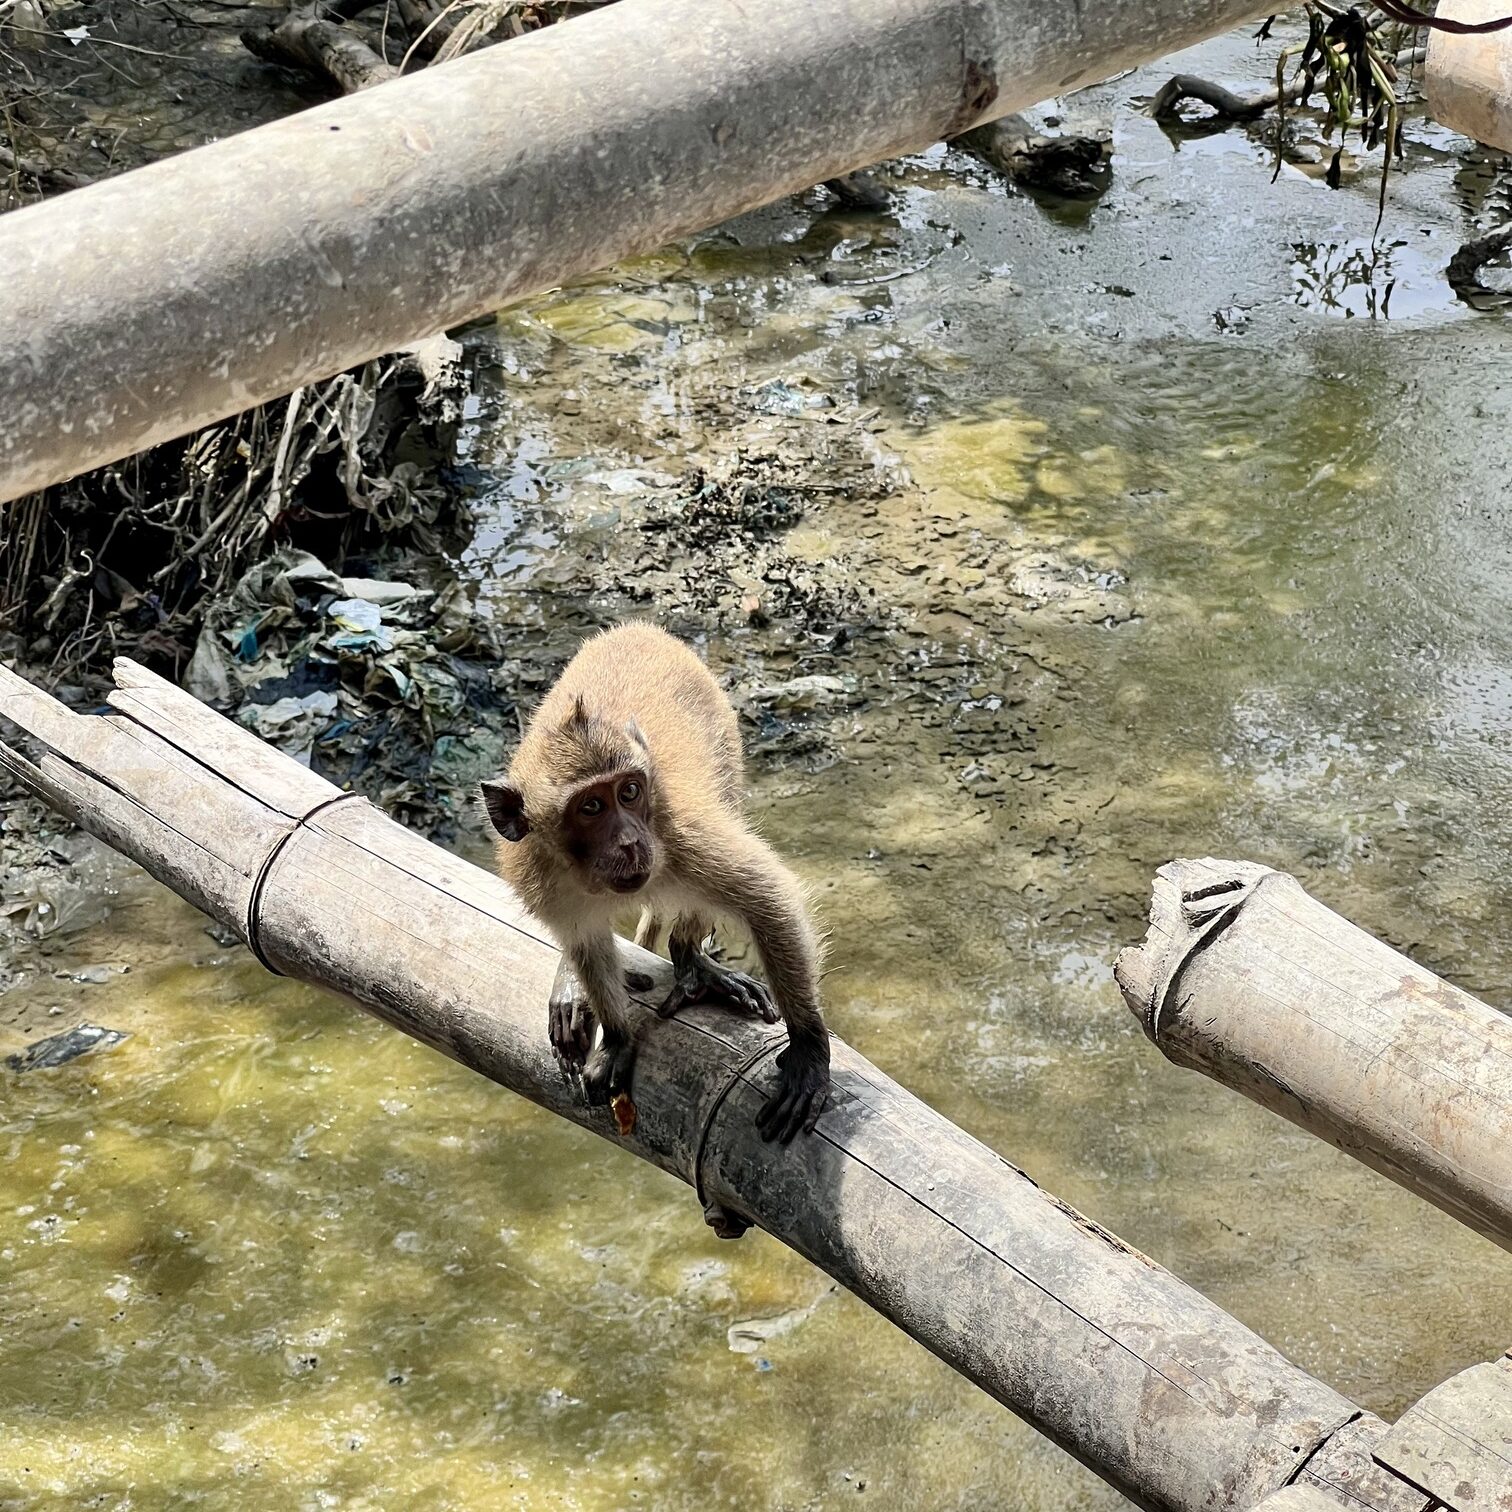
[(633, 882)]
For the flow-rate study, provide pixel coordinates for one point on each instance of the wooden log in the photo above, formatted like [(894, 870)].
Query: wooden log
[(1246, 978), (1141, 1378), (349, 231)]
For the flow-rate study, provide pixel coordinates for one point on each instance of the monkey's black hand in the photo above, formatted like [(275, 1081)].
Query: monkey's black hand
[(704, 981), (803, 1082), (607, 1073), (570, 1021)]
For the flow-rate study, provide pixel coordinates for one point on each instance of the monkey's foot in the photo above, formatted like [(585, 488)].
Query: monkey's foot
[(705, 981), (607, 1074), (803, 1080)]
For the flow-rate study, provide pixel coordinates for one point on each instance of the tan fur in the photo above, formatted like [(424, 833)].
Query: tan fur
[(635, 696)]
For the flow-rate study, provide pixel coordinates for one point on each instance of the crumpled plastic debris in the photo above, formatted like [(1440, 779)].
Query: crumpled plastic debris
[(363, 679), (376, 591), (359, 626), (291, 724)]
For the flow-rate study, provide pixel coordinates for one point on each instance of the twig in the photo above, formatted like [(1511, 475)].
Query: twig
[(45, 175), (418, 44), (52, 36), (1397, 10)]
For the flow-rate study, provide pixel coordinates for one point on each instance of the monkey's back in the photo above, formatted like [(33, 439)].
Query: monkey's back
[(637, 671)]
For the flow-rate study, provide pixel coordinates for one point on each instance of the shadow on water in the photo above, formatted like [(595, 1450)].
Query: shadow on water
[(1026, 574)]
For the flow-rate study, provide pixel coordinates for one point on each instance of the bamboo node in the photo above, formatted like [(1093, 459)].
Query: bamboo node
[(253, 930)]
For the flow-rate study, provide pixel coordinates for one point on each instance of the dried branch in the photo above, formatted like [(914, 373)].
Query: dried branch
[(307, 39), (43, 174)]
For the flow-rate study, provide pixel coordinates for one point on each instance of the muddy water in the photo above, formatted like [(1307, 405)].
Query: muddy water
[(1097, 579)]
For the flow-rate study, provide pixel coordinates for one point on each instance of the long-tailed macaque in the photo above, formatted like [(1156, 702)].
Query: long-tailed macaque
[(628, 785)]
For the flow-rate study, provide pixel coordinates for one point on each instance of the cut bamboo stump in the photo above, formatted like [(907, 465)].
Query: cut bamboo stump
[(1141, 1378), (1456, 1443), (1246, 978)]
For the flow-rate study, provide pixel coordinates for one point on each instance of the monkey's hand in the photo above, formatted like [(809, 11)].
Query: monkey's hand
[(569, 1020), (607, 1073), (705, 981), (803, 1081)]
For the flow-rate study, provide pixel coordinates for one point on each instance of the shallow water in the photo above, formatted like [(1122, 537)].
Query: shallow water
[(1143, 586)]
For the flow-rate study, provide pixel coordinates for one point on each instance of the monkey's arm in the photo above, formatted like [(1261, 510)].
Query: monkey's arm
[(745, 878), (594, 960)]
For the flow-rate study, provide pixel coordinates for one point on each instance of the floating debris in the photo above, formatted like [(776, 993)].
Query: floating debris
[(59, 1049)]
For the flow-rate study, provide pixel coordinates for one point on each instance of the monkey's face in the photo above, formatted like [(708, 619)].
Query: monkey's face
[(606, 830)]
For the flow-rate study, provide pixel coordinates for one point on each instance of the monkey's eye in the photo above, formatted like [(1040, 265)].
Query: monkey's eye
[(630, 792), (591, 806)]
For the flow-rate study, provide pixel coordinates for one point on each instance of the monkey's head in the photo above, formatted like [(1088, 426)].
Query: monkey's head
[(586, 795)]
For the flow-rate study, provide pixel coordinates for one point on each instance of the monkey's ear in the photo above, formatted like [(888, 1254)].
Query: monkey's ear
[(579, 716), (506, 808)]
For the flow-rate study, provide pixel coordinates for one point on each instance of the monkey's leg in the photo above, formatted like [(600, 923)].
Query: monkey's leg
[(648, 931), (570, 1019), (701, 980)]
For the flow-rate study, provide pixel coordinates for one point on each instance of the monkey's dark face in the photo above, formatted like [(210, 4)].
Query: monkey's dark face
[(606, 829)]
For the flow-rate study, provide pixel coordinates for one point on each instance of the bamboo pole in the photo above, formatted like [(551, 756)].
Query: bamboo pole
[(1246, 978), (146, 306), (1468, 79), (1141, 1378)]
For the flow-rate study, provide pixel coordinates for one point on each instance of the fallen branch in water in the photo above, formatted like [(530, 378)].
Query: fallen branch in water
[(1071, 165), (310, 41), (1232, 107)]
